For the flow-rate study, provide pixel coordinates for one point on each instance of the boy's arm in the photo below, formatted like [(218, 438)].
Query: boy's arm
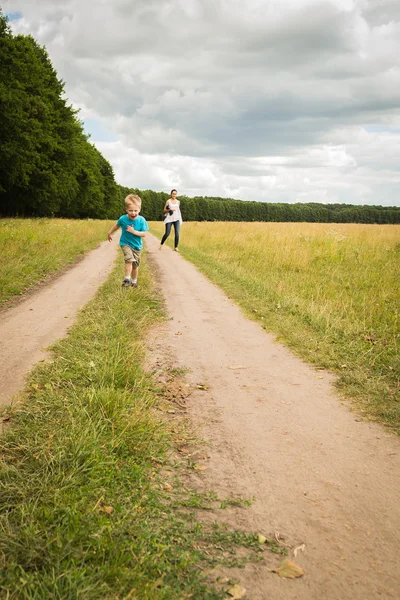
[(113, 228), (143, 227), (135, 231)]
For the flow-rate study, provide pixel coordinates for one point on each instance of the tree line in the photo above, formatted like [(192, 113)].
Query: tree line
[(48, 167), (201, 208)]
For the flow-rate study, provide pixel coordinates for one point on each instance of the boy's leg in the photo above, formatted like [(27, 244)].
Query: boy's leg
[(135, 273), (177, 226), (128, 257), (135, 267), (128, 270)]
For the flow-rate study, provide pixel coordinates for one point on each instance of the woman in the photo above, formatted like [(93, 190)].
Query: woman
[(173, 217)]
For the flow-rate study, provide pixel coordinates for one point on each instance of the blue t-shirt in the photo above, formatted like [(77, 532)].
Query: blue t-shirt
[(130, 239)]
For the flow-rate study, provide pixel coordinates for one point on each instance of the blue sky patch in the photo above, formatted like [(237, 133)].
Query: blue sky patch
[(14, 16), (97, 132)]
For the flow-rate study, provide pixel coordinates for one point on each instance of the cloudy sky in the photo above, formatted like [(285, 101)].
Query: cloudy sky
[(273, 100)]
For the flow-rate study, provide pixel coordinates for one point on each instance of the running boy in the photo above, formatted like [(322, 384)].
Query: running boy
[(134, 229)]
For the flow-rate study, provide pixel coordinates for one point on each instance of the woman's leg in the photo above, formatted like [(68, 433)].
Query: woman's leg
[(177, 226), (167, 232)]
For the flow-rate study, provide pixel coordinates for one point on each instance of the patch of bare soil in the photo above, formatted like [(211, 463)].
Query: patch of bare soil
[(325, 483), (44, 316)]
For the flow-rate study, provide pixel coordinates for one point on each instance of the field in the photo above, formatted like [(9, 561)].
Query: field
[(32, 249), (329, 292), (93, 502)]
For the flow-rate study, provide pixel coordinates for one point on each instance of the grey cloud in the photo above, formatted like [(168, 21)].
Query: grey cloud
[(303, 34), (381, 12)]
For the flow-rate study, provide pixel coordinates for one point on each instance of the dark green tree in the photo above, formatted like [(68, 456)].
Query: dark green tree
[(47, 165)]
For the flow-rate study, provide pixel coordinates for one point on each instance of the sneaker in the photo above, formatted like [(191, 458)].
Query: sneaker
[(176, 249), (134, 284), (126, 283)]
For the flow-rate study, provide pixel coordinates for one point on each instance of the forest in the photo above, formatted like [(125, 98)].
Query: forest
[(49, 167)]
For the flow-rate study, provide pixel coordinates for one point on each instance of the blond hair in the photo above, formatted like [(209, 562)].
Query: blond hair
[(133, 199)]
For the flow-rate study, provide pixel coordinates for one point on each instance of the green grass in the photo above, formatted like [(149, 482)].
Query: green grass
[(330, 292), (32, 249), (92, 505)]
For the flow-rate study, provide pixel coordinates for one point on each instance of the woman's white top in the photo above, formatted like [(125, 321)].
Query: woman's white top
[(176, 215)]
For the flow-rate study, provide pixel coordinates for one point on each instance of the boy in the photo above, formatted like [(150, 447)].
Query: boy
[(134, 229)]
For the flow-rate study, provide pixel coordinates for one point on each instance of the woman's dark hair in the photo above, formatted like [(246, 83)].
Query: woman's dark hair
[(173, 191)]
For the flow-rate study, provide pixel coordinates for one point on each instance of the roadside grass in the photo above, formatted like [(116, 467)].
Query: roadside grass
[(92, 504), (331, 292), (32, 249)]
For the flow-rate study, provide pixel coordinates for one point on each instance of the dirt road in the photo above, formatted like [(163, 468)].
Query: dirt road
[(29, 328), (320, 475)]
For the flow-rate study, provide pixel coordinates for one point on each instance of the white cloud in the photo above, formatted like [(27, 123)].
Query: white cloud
[(264, 100)]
